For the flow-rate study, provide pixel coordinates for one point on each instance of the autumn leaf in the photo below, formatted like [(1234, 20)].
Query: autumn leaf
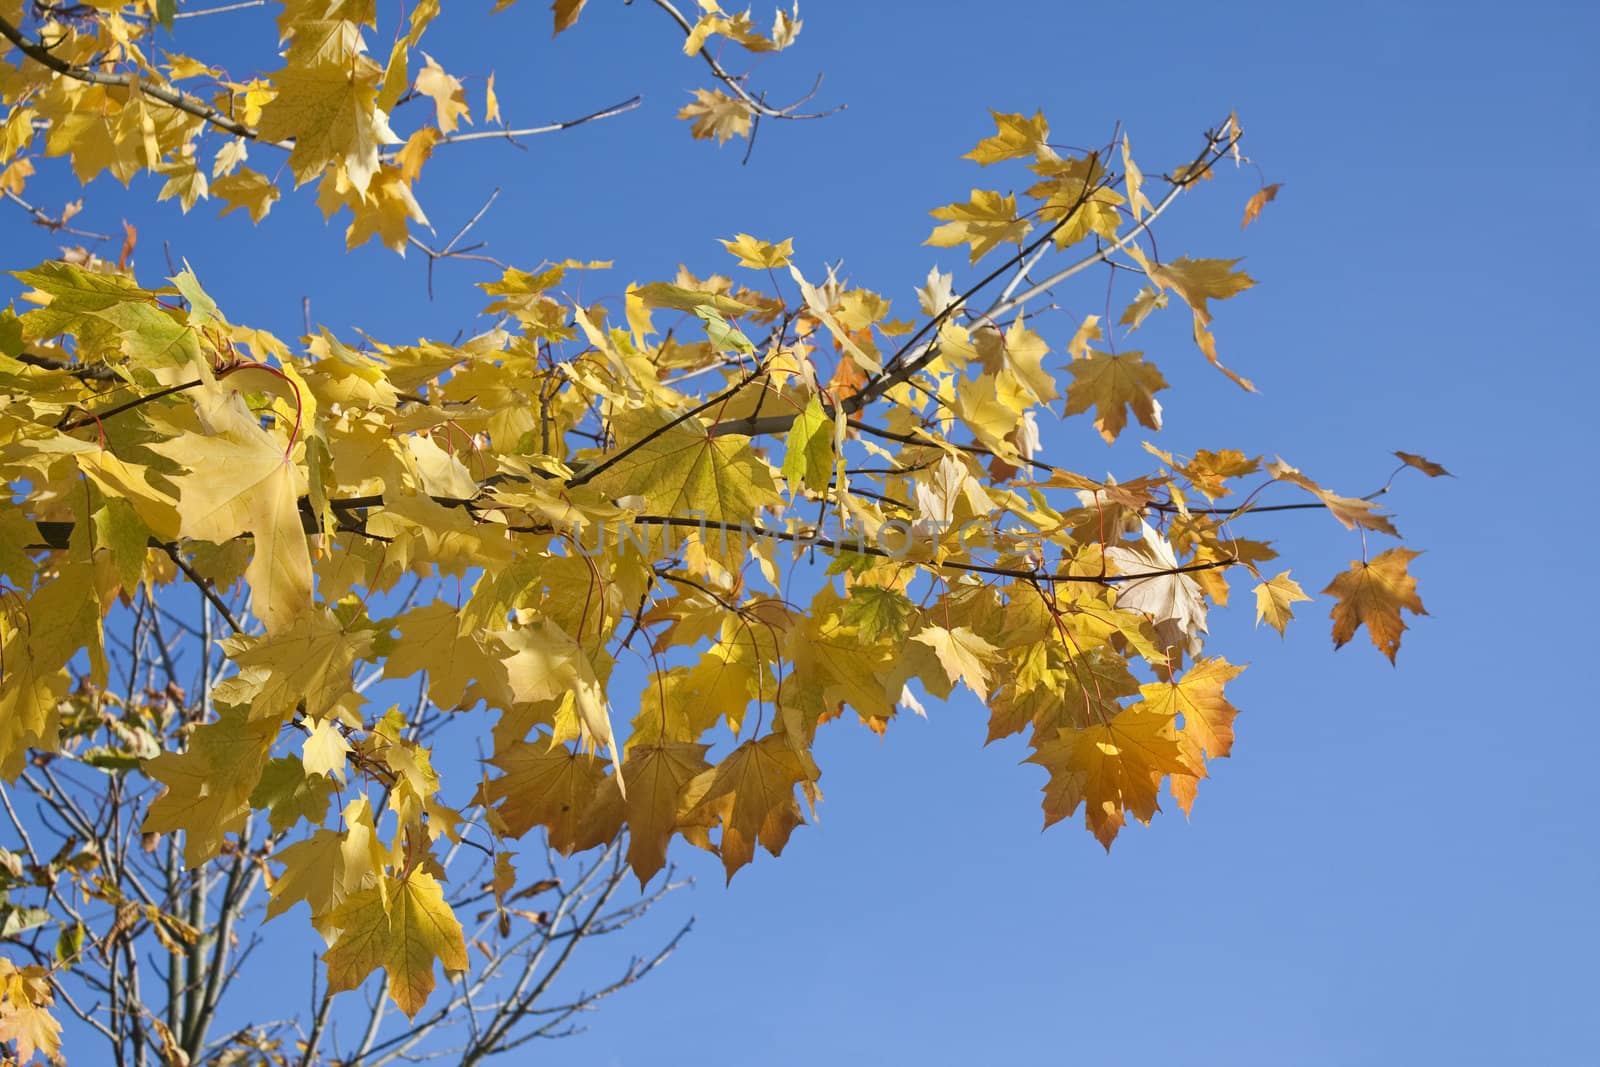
[(1426, 466), (1373, 595), (402, 926), (1261, 199), (1114, 385), (964, 655), (657, 777), (238, 480), (245, 189), (544, 785), (751, 794), (331, 116), (566, 14), (982, 223), (33, 681), (1197, 282), (290, 794), (491, 101), (208, 786), (1172, 600), (26, 996), (681, 467), (758, 254), (715, 114), (326, 750), (446, 92), (808, 449), (1207, 730), (1017, 136), (544, 663), (1110, 769), (1273, 600), (1349, 511), (130, 239)]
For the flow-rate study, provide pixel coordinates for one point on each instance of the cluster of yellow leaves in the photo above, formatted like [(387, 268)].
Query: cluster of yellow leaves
[(587, 485), (25, 1019), (126, 107)]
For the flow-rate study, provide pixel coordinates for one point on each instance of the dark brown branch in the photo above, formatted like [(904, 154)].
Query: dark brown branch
[(138, 401), (93, 372), (205, 585), (882, 553), (678, 420)]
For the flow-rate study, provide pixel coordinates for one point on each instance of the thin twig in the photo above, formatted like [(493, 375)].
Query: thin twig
[(54, 224), (205, 585)]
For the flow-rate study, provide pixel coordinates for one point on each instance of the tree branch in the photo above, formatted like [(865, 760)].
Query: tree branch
[(171, 97), (734, 81)]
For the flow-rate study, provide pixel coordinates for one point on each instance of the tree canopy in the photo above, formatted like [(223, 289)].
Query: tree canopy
[(643, 547)]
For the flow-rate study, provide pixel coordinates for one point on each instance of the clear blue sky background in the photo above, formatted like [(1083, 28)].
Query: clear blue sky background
[(1399, 866)]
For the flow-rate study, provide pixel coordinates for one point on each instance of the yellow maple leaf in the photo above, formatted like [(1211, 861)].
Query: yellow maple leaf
[(386, 207), (1273, 600), (759, 254), (243, 189), (1113, 385), (1111, 769), (303, 666), (786, 27), (208, 785), (1197, 282), (326, 750), (14, 179), (716, 114), (684, 469), (238, 480), (1076, 197), (448, 96), (1020, 351), (330, 112), (186, 182), (1133, 177), (131, 482), (808, 449), (545, 664), (26, 996), (30, 685), (1373, 594), (402, 925), (751, 793), (1016, 136), (657, 777), (963, 654), (982, 223), (1207, 731), (544, 785), (431, 640)]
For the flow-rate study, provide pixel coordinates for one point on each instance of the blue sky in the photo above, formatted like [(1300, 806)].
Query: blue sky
[(1399, 865)]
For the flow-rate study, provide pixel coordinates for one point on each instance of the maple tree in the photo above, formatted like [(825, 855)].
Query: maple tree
[(779, 503)]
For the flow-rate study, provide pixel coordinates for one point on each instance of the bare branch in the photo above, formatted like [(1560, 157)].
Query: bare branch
[(53, 223), (554, 127)]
